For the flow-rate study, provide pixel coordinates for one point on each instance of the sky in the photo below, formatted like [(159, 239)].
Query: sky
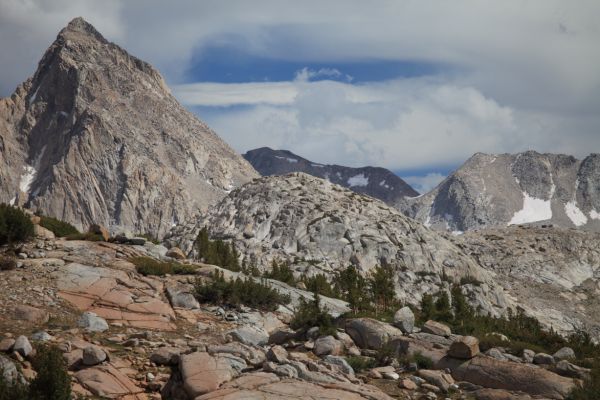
[(413, 86)]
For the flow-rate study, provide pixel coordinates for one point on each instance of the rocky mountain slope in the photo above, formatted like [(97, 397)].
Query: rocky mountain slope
[(553, 272), (507, 189), (96, 136), (320, 227), (376, 182)]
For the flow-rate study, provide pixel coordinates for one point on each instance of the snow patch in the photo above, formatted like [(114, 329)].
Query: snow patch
[(12, 201), (290, 160), (457, 233), (64, 114), (32, 99), (533, 210), (318, 165), (358, 180), (594, 214), (575, 214), (385, 185), (27, 178)]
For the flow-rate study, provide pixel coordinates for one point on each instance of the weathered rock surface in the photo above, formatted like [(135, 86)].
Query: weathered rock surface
[(376, 182), (319, 227), (465, 347), (436, 328), (491, 190), (160, 165), (404, 319), (203, 373), (369, 333)]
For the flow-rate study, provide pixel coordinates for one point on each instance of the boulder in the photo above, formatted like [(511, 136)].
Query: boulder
[(340, 363), (203, 373), (543, 359), (369, 333), (436, 328), (165, 356), (182, 296), (91, 322), (93, 355), (566, 353), (99, 230), (327, 345), (43, 233), (404, 319), (106, 381), (22, 346), (9, 371), (465, 347), (23, 312), (176, 253), (277, 354), (565, 368), (6, 345), (440, 379), (41, 336), (496, 374), (249, 335), (499, 394)]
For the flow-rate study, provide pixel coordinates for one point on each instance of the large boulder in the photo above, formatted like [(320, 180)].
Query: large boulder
[(249, 335), (328, 345), (98, 229), (22, 346), (436, 328), (166, 356), (91, 322), (465, 347), (93, 355), (497, 374), (369, 333), (176, 253), (566, 353), (437, 378), (404, 319), (24, 312), (203, 373), (181, 295)]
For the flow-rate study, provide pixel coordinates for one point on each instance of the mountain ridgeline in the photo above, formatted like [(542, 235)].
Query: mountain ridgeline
[(95, 136), (376, 182), (511, 189)]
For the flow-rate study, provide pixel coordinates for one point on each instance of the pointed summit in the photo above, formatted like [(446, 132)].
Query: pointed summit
[(96, 137)]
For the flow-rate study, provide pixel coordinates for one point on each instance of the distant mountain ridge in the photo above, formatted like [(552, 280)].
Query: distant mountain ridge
[(508, 189), (376, 182), (95, 136)]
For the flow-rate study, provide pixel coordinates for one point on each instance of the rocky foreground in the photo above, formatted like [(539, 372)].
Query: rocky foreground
[(129, 336)]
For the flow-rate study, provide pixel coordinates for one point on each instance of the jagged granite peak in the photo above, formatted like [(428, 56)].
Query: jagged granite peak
[(320, 227), (376, 182), (508, 189), (95, 136)]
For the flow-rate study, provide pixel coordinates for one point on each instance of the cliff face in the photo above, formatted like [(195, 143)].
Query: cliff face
[(510, 189), (96, 136)]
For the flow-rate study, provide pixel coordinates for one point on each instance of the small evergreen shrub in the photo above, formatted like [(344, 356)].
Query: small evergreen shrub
[(52, 381), (281, 272), (238, 292), (58, 227), (311, 313), (15, 225), (217, 252), (319, 284), (7, 263), (423, 362), (150, 266)]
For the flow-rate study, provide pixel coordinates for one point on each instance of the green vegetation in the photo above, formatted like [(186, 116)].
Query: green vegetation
[(312, 313), (150, 266), (58, 227), (52, 381), (361, 363), (237, 292), (217, 252), (15, 225), (89, 236), (148, 237), (423, 362), (319, 284), (590, 390), (281, 272), (250, 270)]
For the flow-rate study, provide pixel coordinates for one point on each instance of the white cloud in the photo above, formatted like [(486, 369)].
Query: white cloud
[(520, 74), (424, 183)]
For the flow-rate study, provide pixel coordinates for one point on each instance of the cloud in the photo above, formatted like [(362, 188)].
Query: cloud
[(517, 75), (424, 183)]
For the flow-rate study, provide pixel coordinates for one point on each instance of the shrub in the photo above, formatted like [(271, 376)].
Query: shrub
[(7, 263), (217, 252), (239, 291), (423, 362), (89, 236), (360, 363), (590, 390), (52, 381), (148, 237), (281, 272), (150, 266), (319, 284), (58, 227), (15, 225), (311, 313)]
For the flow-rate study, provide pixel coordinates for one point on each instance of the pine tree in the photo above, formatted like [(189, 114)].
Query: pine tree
[(353, 288), (381, 283)]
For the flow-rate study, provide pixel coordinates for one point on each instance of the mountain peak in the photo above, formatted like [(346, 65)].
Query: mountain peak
[(80, 26)]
